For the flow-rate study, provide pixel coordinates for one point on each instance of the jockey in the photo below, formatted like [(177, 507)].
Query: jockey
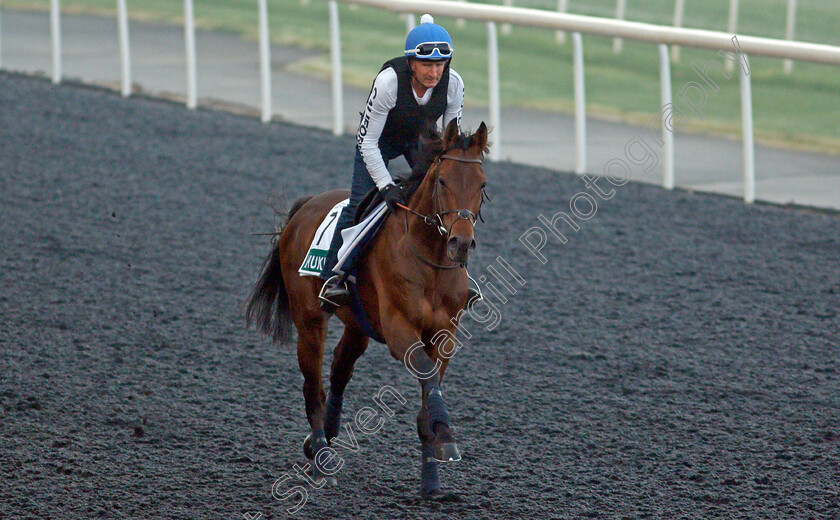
[(408, 91)]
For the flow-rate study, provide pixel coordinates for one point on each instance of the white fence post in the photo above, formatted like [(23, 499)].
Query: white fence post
[(506, 26), (732, 28), (55, 30), (789, 29), (580, 105), (337, 89), (410, 23), (618, 43), (1, 38), (747, 125), (494, 94), (667, 133), (562, 5), (265, 62), (125, 53), (189, 41), (679, 8), (461, 21)]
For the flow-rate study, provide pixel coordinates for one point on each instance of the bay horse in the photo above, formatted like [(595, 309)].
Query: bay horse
[(412, 283)]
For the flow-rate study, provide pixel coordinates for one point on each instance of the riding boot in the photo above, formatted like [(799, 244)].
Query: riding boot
[(334, 294), (474, 295)]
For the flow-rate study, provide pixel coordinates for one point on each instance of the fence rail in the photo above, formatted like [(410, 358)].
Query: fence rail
[(560, 22), (663, 36), (644, 32), (679, 11)]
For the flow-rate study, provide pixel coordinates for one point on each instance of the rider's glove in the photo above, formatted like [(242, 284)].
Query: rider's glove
[(393, 195)]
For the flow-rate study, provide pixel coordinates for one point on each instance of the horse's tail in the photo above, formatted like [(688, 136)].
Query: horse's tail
[(267, 307)]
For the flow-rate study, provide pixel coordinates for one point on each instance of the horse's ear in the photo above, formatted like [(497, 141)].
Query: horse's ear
[(479, 138), (451, 134)]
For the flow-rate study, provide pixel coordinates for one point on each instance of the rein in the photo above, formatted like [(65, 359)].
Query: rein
[(436, 219)]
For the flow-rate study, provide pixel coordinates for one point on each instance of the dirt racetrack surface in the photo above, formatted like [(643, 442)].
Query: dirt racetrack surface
[(676, 358)]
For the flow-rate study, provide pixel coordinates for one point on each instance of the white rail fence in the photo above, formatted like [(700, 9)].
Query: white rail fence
[(618, 29), (560, 22), (679, 11)]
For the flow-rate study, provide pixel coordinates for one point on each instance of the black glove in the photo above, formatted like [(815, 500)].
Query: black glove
[(393, 195)]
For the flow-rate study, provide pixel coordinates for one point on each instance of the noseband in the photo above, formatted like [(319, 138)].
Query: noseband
[(436, 219)]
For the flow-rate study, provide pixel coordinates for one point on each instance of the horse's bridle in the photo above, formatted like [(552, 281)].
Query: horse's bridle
[(436, 219)]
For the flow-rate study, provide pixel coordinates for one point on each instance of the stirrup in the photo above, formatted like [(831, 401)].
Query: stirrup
[(475, 295), (332, 302)]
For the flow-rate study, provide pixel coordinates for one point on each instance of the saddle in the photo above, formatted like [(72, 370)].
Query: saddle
[(372, 199), (366, 205)]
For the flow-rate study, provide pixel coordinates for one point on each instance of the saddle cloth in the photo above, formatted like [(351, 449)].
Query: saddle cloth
[(353, 238)]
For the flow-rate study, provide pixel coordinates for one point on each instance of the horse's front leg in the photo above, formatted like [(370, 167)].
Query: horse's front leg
[(429, 477), (438, 444), (429, 372)]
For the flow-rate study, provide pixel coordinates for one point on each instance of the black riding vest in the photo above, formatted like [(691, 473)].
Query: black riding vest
[(406, 119)]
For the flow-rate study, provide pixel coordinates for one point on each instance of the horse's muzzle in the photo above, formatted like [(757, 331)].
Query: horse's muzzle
[(458, 249)]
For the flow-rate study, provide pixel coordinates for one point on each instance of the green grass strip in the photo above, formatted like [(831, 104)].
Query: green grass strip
[(800, 110)]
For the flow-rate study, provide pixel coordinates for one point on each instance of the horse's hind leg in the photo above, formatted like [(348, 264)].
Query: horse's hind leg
[(310, 350), (352, 345)]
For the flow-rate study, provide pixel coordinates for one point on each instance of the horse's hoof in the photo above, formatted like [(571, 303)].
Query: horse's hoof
[(323, 471), (447, 452), (441, 496), (327, 481), (325, 476), (307, 447)]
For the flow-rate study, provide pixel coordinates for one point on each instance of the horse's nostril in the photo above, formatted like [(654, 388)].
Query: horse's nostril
[(459, 249), (452, 245)]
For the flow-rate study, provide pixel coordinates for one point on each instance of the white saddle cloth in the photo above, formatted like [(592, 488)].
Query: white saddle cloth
[(313, 262)]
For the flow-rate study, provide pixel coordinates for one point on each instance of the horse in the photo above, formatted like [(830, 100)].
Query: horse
[(412, 283)]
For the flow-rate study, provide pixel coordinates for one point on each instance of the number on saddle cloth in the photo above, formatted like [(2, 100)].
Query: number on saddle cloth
[(313, 262)]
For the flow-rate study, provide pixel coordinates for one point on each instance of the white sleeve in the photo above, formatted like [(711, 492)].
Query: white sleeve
[(454, 99), (383, 97)]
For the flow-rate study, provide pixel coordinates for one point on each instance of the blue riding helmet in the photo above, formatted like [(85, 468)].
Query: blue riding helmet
[(428, 41)]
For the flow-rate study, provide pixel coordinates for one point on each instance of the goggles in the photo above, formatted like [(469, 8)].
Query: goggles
[(433, 50)]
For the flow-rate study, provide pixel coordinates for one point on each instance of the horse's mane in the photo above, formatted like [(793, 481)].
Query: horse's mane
[(430, 146)]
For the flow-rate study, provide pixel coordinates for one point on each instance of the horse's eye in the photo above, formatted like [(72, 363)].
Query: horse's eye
[(441, 182)]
